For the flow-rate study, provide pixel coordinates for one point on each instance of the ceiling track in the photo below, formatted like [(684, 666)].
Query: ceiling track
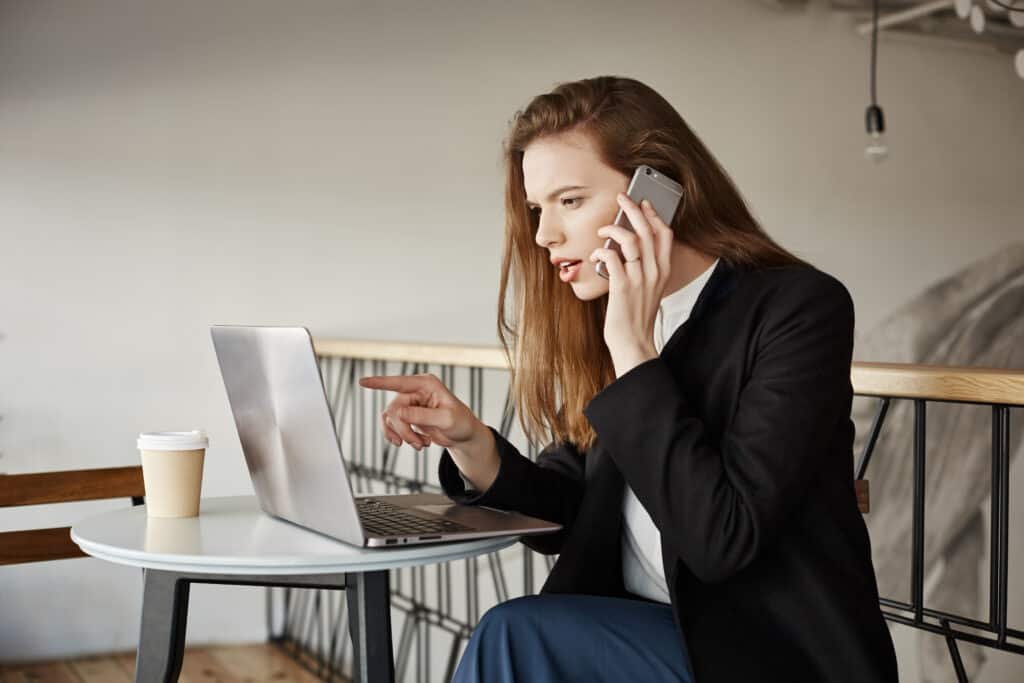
[(936, 21)]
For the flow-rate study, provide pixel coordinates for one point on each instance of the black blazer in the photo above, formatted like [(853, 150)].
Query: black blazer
[(738, 441)]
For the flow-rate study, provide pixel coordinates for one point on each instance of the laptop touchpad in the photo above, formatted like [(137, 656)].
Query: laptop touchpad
[(443, 510)]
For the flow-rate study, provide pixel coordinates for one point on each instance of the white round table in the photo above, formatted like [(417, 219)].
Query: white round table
[(233, 541)]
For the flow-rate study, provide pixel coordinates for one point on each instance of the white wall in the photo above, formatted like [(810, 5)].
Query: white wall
[(165, 166)]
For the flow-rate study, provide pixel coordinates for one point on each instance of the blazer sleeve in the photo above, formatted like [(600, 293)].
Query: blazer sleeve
[(719, 504), (550, 489)]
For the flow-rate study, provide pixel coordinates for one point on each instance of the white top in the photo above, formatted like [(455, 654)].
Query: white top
[(642, 568), (233, 535)]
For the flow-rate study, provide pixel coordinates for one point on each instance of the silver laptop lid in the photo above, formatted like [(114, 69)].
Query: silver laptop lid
[(284, 422)]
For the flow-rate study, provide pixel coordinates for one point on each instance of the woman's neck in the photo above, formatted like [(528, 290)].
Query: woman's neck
[(687, 264)]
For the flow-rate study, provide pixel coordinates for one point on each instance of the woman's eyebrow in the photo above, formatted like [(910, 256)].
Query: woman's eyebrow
[(557, 192)]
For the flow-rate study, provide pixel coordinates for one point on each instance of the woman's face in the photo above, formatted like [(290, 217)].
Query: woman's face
[(574, 193)]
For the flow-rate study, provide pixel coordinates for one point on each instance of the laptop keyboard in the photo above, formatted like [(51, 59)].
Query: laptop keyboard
[(380, 518)]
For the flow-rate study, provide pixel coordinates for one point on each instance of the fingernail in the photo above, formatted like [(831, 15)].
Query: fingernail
[(647, 204)]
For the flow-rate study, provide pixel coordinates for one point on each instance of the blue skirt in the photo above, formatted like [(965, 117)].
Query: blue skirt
[(558, 638)]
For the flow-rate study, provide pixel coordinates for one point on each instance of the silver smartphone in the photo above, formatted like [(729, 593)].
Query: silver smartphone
[(663, 193)]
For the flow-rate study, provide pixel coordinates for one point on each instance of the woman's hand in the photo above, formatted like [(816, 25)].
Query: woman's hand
[(424, 412), (636, 286)]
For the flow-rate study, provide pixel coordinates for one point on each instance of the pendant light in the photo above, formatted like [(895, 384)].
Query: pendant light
[(874, 121)]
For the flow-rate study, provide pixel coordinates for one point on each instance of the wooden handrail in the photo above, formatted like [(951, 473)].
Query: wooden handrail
[(939, 382), (491, 357), (899, 380)]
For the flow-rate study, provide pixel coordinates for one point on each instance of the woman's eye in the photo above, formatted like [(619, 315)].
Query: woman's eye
[(535, 210)]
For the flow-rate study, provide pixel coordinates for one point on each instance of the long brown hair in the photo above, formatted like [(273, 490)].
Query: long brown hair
[(554, 342)]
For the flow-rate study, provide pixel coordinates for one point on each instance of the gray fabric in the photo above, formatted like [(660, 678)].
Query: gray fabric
[(973, 318)]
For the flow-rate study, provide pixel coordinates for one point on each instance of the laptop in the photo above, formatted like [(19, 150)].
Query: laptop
[(294, 457)]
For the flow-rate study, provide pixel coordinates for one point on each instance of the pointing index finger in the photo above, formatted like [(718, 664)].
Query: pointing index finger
[(404, 383)]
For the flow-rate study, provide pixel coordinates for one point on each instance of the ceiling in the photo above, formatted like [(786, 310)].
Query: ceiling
[(933, 21)]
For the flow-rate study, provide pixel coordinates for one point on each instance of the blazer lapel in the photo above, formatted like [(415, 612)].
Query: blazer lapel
[(719, 285), (605, 484)]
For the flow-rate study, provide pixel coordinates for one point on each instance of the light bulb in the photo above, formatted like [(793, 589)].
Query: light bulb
[(962, 7), (876, 150)]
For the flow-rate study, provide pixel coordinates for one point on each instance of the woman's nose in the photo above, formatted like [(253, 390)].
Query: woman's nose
[(548, 233)]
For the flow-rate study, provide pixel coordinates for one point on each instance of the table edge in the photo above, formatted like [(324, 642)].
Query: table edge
[(243, 567)]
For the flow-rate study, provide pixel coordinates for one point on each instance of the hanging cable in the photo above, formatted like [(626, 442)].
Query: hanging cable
[(874, 121)]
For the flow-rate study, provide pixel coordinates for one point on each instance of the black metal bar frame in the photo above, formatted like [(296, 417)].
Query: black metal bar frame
[(995, 633)]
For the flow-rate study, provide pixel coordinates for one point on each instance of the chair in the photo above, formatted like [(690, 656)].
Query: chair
[(863, 497), (40, 545)]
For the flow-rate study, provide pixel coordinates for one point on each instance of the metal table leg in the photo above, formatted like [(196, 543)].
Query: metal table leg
[(369, 619), (162, 634), (165, 615)]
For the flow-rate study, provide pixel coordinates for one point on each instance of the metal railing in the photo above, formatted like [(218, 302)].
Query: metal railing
[(436, 607), (1000, 390)]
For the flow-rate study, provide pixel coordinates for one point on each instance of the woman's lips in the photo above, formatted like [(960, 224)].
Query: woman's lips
[(567, 274)]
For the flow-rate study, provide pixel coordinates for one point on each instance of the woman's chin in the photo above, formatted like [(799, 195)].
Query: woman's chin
[(590, 288)]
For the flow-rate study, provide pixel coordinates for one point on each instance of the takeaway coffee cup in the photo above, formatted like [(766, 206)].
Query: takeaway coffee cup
[(172, 470)]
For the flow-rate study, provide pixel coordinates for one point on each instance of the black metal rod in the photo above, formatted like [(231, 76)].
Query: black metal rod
[(335, 640), (527, 571), (423, 672), (993, 562), (1002, 485), (959, 635), (954, 653), (917, 559), (453, 658), (405, 645), (472, 613), (876, 428), (377, 459), (957, 619), (447, 567), (498, 576)]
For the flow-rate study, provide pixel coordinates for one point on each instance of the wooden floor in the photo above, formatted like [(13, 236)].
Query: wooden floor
[(219, 663)]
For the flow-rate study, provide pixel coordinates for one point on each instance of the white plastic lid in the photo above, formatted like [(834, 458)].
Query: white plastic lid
[(173, 441)]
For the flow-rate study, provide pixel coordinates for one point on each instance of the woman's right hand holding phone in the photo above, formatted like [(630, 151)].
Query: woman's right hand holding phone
[(425, 412)]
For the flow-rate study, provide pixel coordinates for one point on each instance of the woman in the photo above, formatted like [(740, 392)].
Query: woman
[(697, 405)]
